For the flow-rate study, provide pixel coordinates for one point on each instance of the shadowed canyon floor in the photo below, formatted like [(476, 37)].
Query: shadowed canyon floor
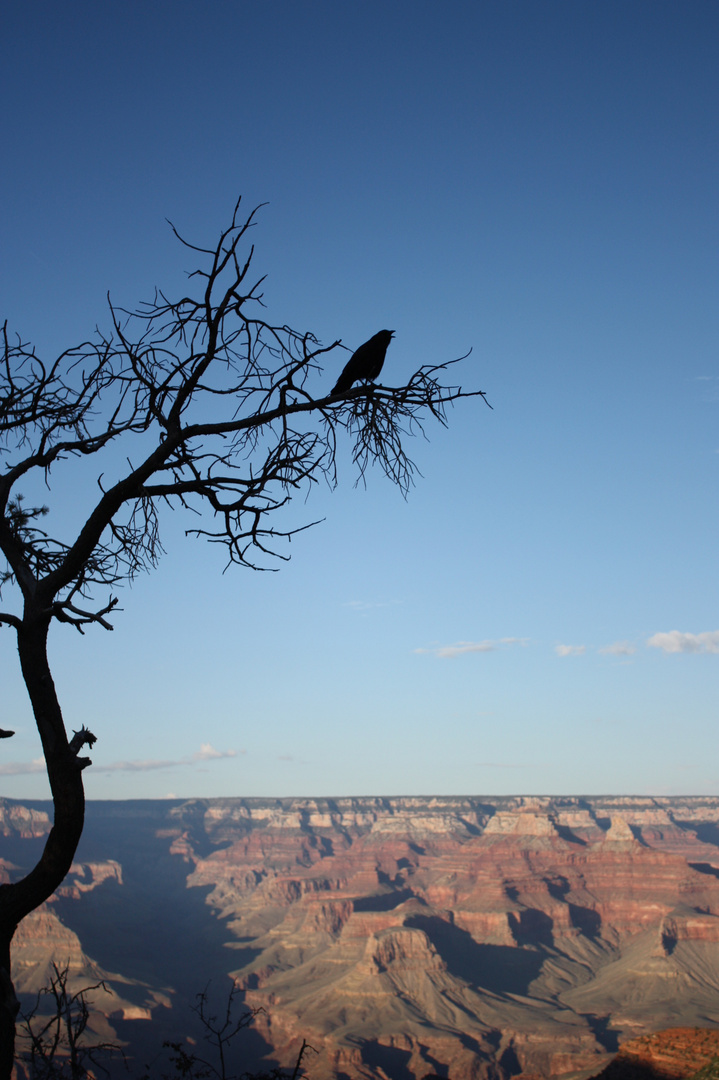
[(402, 937)]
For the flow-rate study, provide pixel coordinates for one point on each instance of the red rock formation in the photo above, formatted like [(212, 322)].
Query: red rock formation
[(674, 1054), (16, 820), (420, 937), (560, 890)]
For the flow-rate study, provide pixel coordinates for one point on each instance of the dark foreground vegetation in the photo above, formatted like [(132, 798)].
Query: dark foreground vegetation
[(54, 1042)]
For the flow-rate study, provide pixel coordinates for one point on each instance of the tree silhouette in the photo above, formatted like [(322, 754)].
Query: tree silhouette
[(216, 411)]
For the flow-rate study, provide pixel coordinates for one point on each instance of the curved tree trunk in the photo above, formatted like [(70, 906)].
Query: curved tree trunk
[(64, 770)]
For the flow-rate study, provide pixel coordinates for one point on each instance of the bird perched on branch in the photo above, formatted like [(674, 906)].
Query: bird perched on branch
[(365, 363)]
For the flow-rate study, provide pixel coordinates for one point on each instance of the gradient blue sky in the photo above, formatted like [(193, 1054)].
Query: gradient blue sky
[(536, 180)]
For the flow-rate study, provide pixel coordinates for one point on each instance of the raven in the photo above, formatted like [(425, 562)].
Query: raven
[(366, 362)]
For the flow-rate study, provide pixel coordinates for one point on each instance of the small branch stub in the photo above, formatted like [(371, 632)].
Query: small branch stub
[(83, 737)]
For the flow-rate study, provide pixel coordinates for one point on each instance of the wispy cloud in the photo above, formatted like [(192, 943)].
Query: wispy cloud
[(23, 768), (146, 765), (676, 641), (570, 650), (461, 647), (619, 648), (206, 752)]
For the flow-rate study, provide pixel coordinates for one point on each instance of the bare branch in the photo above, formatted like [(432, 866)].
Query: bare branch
[(165, 383), (67, 612)]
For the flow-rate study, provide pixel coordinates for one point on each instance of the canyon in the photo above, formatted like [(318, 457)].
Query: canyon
[(404, 938)]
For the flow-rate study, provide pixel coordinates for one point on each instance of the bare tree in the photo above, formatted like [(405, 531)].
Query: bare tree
[(219, 410), (58, 1044), (219, 1030)]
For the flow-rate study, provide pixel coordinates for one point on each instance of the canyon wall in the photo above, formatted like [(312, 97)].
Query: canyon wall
[(402, 937)]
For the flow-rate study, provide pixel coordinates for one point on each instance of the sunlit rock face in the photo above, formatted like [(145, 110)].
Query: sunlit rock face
[(402, 937), (21, 821), (674, 1054)]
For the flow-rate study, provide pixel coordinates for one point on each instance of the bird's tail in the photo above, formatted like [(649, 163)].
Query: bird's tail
[(342, 384)]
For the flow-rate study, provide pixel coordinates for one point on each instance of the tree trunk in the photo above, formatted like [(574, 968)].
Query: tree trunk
[(64, 770), (8, 1007)]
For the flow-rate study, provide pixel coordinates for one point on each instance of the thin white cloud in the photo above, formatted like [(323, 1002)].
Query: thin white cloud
[(461, 647), (619, 648), (23, 768), (206, 752), (676, 641), (570, 650)]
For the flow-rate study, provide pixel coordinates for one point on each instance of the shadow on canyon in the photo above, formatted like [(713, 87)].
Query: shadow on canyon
[(152, 927), (395, 1062), (706, 831), (603, 1033), (502, 969), (391, 1059), (153, 930), (387, 901)]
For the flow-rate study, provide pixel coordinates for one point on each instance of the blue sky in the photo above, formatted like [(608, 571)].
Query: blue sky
[(535, 180)]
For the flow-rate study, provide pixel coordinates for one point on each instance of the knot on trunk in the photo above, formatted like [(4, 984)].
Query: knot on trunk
[(79, 739)]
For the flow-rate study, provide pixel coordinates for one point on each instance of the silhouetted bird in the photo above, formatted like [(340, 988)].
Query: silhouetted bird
[(366, 362)]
